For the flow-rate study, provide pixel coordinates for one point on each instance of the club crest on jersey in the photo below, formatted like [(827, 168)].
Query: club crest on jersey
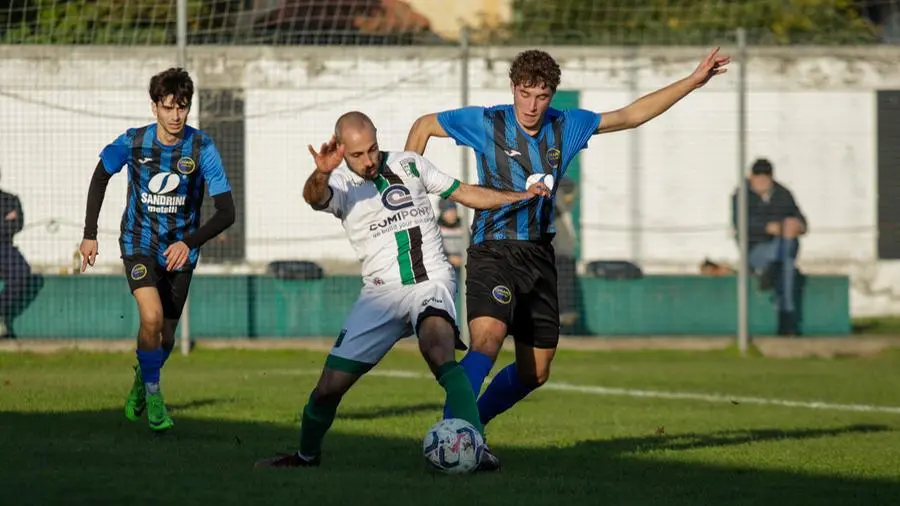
[(186, 165), (396, 197), (554, 156), (138, 272), (501, 294), (409, 167)]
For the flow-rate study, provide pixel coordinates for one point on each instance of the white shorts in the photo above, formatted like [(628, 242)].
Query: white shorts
[(383, 316)]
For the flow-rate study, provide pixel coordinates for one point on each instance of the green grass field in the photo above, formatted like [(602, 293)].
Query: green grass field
[(65, 440)]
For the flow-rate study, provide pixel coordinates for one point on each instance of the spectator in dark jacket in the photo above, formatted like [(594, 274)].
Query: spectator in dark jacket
[(14, 269), (774, 225)]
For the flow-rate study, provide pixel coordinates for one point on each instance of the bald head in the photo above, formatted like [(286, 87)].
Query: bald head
[(356, 133), (353, 122)]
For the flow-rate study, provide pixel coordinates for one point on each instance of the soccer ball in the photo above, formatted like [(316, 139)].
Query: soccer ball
[(453, 446)]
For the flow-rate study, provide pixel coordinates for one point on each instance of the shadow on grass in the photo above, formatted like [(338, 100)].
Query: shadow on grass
[(387, 411), (98, 458)]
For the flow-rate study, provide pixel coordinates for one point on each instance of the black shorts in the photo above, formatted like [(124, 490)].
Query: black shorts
[(143, 271), (515, 282)]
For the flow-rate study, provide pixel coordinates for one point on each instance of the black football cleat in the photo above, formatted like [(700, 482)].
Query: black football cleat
[(488, 462)]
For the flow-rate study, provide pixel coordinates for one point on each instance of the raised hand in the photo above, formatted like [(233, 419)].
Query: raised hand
[(329, 156), (711, 65)]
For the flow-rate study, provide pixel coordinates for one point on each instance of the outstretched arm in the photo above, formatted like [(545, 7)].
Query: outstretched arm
[(481, 197), (652, 105), (474, 197)]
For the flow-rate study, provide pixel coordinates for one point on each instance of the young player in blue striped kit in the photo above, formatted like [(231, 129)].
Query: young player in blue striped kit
[(168, 165), (511, 272)]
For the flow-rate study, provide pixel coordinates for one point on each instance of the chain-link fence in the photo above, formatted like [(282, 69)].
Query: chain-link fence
[(653, 205)]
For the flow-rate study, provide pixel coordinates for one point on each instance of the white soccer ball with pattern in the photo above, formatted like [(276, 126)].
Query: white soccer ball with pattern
[(453, 446)]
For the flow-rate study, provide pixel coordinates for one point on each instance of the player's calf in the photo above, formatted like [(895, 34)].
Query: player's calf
[(436, 335), (318, 415), (515, 381), (150, 355)]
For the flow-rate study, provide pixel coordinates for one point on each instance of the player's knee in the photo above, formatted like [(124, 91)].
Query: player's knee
[(436, 339), (791, 228), (152, 321), (534, 378), (436, 350), (332, 386)]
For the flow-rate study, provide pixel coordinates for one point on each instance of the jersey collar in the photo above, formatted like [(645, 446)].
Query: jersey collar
[(383, 163)]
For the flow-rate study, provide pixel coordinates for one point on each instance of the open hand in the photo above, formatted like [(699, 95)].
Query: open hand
[(711, 65), (329, 156), (176, 256)]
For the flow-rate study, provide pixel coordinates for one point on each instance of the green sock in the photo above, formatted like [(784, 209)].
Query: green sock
[(460, 397), (317, 419)]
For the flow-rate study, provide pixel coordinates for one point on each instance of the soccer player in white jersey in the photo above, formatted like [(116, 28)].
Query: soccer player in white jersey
[(409, 286)]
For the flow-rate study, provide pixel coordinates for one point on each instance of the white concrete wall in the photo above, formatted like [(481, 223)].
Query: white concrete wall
[(659, 195)]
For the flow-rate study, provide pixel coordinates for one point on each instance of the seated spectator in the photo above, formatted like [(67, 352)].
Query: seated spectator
[(14, 269), (775, 224)]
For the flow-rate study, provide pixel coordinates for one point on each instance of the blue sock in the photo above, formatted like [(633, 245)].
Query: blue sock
[(150, 362), (477, 366), (504, 391)]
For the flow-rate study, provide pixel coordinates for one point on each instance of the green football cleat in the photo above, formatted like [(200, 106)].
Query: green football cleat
[(137, 398), (157, 415)]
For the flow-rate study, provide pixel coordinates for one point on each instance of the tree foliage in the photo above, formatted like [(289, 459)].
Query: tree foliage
[(661, 22), (128, 22)]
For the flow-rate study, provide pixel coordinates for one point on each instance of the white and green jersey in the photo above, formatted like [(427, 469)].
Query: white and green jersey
[(390, 221)]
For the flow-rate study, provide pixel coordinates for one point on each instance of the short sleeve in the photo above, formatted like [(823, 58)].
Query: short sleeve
[(212, 169), (579, 126), (436, 182), (336, 203), (465, 126), (115, 155)]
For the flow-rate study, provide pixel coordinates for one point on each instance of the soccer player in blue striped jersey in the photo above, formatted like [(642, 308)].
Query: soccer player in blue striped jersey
[(511, 268), (168, 165)]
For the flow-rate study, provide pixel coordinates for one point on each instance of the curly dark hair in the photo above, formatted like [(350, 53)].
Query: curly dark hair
[(535, 68), (174, 81)]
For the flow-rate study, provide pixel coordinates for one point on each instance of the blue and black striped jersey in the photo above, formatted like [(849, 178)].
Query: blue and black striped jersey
[(510, 159), (165, 188)]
